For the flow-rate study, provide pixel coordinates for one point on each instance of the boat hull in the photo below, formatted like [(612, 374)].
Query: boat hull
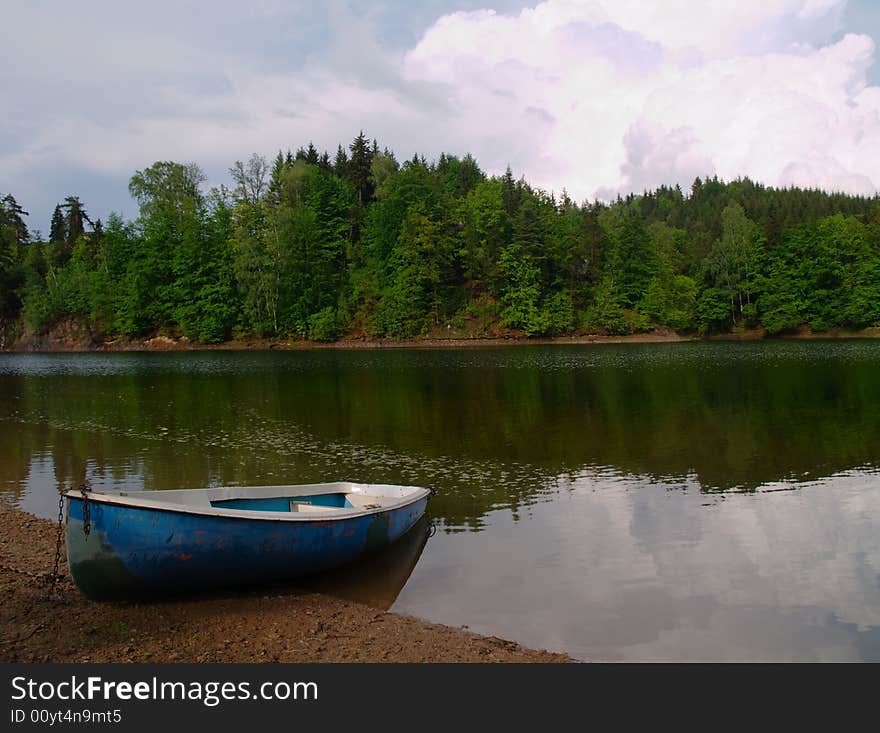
[(140, 551)]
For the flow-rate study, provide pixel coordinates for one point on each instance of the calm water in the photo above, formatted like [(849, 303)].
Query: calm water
[(657, 502)]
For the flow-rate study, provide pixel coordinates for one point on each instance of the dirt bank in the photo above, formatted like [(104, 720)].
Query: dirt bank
[(276, 626), (70, 337)]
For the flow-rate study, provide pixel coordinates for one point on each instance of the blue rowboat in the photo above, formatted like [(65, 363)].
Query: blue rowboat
[(144, 543)]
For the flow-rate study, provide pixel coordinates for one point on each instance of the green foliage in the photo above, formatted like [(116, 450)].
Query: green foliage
[(58, 228), (460, 175), (782, 311), (522, 292), (606, 313), (411, 299), (863, 307), (67, 291), (824, 274), (671, 301), (732, 263), (258, 265), (559, 313), (75, 218), (533, 297), (14, 238), (314, 247), (713, 311), (631, 260), (382, 168), (486, 232), (289, 247), (325, 325), (359, 169)]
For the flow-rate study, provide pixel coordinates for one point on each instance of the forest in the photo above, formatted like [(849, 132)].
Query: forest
[(358, 244)]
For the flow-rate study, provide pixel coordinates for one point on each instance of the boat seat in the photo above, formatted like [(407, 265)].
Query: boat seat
[(299, 508), (364, 501)]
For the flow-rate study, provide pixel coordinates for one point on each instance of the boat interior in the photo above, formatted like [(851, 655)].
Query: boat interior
[(331, 498)]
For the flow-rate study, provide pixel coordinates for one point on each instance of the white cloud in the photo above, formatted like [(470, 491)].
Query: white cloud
[(595, 96), (643, 94)]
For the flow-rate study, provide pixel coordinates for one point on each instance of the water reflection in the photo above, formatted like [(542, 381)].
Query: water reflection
[(378, 578), (494, 427), (662, 501), (616, 570)]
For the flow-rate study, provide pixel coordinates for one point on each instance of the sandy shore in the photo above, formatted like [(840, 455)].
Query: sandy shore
[(273, 626)]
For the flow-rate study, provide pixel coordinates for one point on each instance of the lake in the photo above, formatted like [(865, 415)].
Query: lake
[(692, 501)]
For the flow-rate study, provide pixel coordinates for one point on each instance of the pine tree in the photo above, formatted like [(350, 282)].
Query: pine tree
[(13, 234), (340, 164), (509, 193), (773, 225), (359, 168), (11, 219), (631, 259), (276, 180), (58, 229), (75, 219)]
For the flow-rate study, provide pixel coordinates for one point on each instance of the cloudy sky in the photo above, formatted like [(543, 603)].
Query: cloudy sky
[(595, 96)]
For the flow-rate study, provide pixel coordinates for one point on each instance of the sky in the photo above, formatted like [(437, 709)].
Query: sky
[(597, 97)]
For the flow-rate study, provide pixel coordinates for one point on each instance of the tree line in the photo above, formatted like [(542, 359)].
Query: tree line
[(318, 247)]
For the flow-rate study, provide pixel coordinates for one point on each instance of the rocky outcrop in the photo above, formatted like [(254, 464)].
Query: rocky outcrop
[(69, 334)]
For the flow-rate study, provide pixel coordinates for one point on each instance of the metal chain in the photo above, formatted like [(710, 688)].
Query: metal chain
[(55, 576)]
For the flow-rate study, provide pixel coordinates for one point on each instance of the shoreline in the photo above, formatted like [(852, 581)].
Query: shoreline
[(270, 625), (66, 344)]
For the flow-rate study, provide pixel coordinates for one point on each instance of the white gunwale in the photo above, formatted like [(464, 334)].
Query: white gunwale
[(198, 501)]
